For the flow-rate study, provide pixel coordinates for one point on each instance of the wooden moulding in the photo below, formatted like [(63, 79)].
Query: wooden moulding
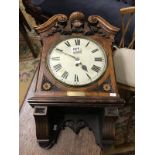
[(77, 101)]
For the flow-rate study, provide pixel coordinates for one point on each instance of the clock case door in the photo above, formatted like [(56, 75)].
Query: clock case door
[(48, 90)]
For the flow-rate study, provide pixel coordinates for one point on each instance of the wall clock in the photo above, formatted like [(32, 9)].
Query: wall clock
[(76, 84)]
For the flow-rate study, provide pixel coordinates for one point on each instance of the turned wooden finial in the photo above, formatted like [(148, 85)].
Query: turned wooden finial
[(77, 16), (77, 19)]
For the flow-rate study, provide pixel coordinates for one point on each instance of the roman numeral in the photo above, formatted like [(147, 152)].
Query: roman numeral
[(55, 58), (77, 41), (98, 59), (65, 75), (88, 76), (57, 67), (59, 49), (95, 50), (76, 78), (96, 68), (67, 43), (87, 44)]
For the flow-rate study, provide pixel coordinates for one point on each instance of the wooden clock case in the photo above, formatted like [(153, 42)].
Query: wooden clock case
[(57, 105)]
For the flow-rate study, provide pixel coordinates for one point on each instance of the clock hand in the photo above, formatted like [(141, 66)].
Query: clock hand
[(84, 67), (77, 59)]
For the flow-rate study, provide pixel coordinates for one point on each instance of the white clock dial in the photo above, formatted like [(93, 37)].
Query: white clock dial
[(77, 61)]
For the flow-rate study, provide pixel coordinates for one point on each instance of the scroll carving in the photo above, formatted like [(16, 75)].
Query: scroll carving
[(77, 23)]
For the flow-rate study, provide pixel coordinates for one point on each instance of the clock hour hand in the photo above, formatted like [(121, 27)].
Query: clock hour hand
[(84, 67)]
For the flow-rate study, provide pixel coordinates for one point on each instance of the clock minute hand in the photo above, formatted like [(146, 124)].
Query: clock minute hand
[(84, 67), (70, 55)]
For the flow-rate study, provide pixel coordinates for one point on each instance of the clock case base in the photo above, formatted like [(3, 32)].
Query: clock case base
[(51, 120)]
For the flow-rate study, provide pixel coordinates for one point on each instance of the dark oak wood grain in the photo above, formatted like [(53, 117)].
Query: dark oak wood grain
[(57, 105)]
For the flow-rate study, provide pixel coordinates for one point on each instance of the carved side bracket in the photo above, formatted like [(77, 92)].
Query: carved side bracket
[(108, 128), (42, 126)]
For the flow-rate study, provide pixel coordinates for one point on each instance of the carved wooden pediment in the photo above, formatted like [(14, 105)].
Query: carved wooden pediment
[(77, 23)]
